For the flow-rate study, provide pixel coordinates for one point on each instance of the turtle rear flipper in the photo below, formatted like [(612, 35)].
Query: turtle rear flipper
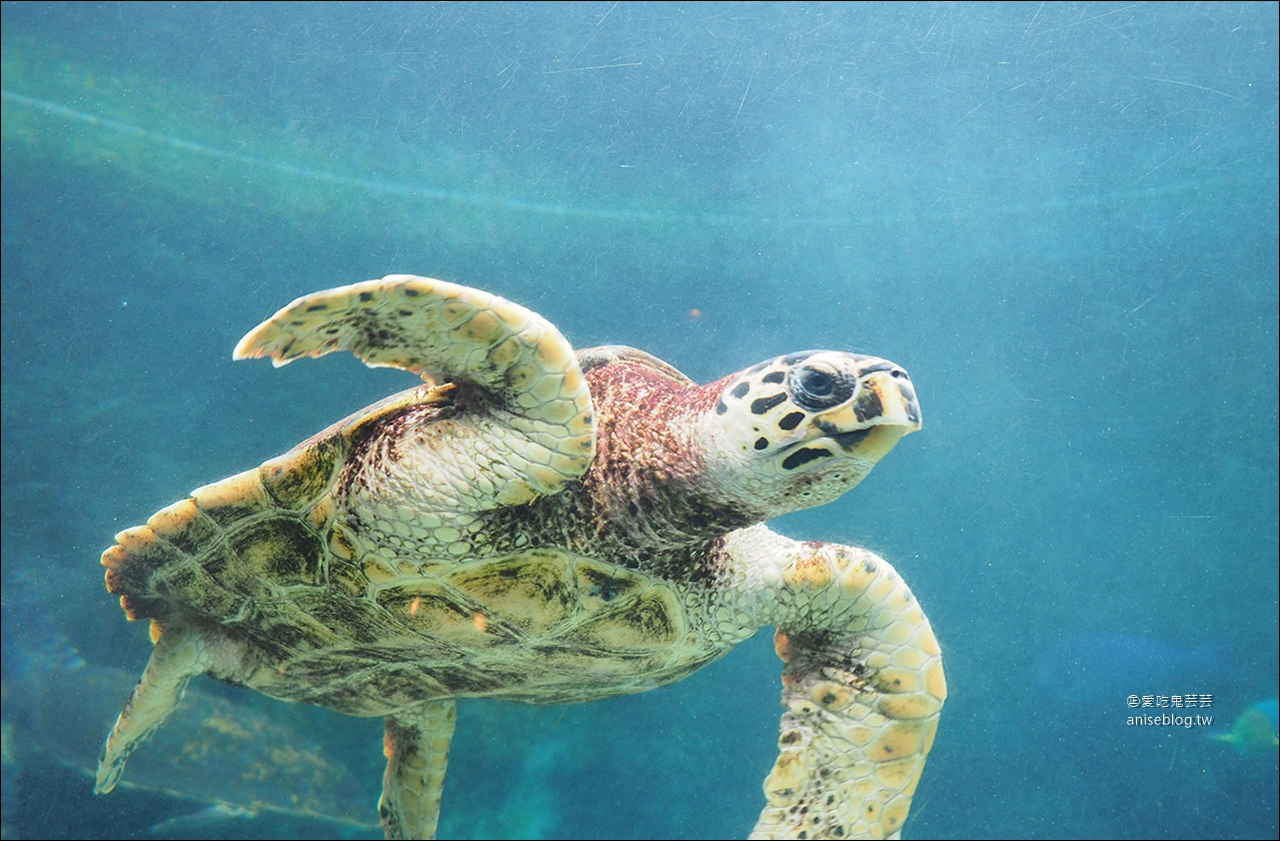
[(417, 748), (536, 433), (180, 653)]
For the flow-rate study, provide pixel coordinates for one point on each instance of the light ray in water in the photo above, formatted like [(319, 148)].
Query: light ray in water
[(731, 217), (369, 184)]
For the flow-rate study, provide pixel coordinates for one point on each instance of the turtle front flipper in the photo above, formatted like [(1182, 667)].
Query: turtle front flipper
[(180, 654), (417, 748), (538, 424), (863, 688)]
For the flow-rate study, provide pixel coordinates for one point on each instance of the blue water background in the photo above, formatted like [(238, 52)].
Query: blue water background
[(1060, 217)]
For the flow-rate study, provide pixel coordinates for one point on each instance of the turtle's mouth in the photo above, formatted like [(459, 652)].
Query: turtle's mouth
[(866, 445), (849, 440), (874, 443), (871, 444)]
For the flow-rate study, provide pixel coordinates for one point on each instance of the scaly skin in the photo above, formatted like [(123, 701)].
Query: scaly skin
[(538, 433), (417, 748), (863, 686)]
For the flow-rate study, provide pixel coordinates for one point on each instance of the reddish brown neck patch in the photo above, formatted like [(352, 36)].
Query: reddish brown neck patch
[(648, 476)]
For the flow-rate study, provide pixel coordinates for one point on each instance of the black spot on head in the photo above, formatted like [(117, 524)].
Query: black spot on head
[(774, 377), (411, 292), (721, 408), (740, 390), (791, 421), (867, 406), (803, 456), (762, 443), (317, 307), (763, 404), (366, 297)]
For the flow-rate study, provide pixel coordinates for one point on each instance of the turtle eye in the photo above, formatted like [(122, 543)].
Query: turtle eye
[(817, 388), (816, 383)]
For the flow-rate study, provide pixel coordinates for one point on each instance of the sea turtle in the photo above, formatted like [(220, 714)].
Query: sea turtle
[(545, 527)]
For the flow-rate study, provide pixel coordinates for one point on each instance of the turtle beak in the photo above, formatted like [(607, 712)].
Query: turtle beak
[(883, 409)]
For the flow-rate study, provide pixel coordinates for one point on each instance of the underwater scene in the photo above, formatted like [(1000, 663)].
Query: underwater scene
[(1060, 218)]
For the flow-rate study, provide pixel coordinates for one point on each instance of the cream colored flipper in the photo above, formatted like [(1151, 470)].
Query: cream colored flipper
[(180, 654), (538, 430), (417, 748), (863, 687)]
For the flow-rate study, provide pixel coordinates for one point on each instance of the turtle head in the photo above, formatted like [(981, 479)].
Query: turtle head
[(800, 430)]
